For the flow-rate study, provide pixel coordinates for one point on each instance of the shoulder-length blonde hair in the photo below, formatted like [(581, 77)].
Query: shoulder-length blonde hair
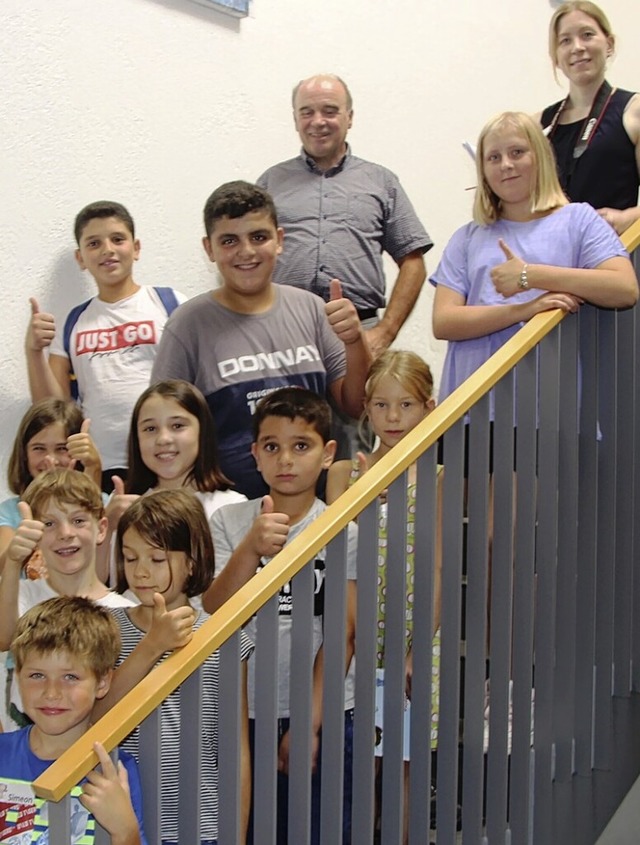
[(546, 193), (588, 8)]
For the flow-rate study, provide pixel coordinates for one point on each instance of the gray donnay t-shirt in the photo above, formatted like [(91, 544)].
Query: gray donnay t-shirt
[(236, 359)]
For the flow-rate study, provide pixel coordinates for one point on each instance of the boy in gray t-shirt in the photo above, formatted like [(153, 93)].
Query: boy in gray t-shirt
[(249, 336), (291, 447)]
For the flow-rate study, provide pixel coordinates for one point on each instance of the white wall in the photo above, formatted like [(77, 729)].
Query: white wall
[(156, 102)]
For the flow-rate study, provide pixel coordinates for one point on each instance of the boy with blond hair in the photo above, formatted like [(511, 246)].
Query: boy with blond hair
[(65, 650), (63, 516)]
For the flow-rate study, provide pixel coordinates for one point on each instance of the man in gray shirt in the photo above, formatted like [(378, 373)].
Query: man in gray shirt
[(340, 213)]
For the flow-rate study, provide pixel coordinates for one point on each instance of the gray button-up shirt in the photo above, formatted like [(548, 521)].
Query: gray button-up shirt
[(338, 223)]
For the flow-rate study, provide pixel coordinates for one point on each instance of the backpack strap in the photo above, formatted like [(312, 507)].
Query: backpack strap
[(168, 299), (69, 325)]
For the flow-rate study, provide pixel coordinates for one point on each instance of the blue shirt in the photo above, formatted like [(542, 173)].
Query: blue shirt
[(18, 762), (9, 513)]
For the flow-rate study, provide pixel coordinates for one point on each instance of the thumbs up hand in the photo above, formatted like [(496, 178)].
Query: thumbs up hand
[(41, 329), (118, 503), (505, 248), (170, 629), (25, 541), (269, 531), (81, 448), (335, 289), (342, 315), (363, 463), (506, 276)]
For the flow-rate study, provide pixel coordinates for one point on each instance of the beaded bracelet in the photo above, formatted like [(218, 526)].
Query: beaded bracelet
[(523, 284)]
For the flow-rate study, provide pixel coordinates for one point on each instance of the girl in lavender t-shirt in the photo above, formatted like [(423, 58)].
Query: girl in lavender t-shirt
[(527, 250)]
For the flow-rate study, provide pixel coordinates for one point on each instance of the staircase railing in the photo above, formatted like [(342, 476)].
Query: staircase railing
[(539, 656)]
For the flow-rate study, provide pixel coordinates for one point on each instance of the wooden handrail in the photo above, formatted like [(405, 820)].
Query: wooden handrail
[(74, 764), (631, 238), (124, 716)]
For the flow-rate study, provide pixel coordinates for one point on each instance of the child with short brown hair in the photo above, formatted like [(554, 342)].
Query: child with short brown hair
[(65, 650)]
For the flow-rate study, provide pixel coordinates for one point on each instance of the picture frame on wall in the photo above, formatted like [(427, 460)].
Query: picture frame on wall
[(237, 8)]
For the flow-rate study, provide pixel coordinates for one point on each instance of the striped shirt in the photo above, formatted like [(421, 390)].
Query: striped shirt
[(170, 730)]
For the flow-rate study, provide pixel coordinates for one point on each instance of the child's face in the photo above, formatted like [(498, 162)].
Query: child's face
[(58, 693), (47, 449), (70, 537), (150, 570), (245, 250), (393, 411), (169, 438), (107, 250), (509, 166), (291, 454)]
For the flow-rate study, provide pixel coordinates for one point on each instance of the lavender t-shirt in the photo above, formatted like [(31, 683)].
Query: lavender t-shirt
[(572, 236)]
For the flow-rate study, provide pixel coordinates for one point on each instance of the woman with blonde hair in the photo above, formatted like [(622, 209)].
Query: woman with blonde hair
[(527, 250), (595, 129)]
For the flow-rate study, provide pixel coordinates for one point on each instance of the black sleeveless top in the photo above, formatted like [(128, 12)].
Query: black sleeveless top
[(606, 174)]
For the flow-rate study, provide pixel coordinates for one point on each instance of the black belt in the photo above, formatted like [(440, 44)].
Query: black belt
[(367, 314)]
